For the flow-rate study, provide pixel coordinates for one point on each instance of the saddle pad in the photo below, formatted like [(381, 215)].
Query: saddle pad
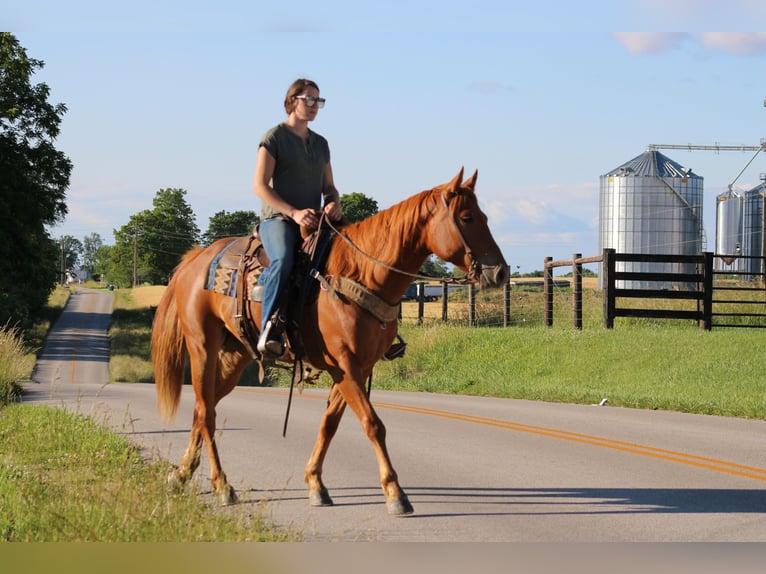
[(224, 271)]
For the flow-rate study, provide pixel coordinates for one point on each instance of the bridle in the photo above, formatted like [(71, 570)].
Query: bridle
[(474, 267)]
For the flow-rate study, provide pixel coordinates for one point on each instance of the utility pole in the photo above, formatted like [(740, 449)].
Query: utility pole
[(61, 263), (135, 255)]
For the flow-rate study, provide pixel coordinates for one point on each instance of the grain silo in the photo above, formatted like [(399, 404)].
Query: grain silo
[(651, 205), (752, 228), (728, 230)]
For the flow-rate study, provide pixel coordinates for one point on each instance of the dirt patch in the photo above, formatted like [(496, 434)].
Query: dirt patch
[(148, 296)]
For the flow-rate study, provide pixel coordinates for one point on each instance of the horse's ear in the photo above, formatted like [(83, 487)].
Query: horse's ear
[(470, 183), (454, 185)]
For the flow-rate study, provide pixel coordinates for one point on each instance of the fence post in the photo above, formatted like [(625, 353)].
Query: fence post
[(608, 268), (707, 292), (471, 305), (548, 292), (445, 292), (507, 302), (577, 290), (421, 294)]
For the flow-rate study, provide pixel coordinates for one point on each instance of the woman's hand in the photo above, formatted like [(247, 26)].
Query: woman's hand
[(307, 218), (332, 210)]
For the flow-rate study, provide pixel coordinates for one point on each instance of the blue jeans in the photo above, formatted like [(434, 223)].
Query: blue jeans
[(281, 241)]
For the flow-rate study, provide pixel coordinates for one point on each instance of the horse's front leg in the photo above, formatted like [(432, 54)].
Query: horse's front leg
[(336, 406), (353, 392)]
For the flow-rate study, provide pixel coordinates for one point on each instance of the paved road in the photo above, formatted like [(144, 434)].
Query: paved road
[(476, 469)]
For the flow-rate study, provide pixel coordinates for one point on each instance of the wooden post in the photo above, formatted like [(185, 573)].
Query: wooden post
[(548, 292), (608, 268), (471, 305), (707, 295), (445, 292), (421, 291), (507, 302), (577, 291)]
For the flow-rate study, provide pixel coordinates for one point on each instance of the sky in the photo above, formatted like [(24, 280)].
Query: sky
[(542, 99)]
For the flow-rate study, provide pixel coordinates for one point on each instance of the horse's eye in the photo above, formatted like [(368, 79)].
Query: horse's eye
[(466, 217)]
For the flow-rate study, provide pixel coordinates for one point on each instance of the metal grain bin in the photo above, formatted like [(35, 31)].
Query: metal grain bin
[(651, 205), (752, 227), (728, 228)]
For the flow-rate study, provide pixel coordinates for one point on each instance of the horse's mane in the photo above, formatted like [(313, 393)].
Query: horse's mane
[(385, 236)]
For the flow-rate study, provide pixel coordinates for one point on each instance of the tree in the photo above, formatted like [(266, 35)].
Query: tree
[(152, 243), (357, 206), (34, 177), (101, 263), (234, 224), (70, 249), (90, 247), (435, 267)]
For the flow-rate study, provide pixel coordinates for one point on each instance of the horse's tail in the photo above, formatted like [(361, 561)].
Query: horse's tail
[(168, 353)]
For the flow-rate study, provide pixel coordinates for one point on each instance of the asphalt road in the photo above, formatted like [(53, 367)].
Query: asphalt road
[(476, 469)]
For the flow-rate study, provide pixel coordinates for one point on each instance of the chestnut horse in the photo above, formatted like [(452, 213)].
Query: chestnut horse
[(340, 336)]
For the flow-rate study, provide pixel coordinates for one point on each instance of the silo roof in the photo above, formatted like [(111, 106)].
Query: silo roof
[(653, 164), (760, 188)]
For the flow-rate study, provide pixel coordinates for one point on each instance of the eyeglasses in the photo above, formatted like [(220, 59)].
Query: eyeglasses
[(311, 101)]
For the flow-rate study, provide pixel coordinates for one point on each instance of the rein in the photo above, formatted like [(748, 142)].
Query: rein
[(449, 280)]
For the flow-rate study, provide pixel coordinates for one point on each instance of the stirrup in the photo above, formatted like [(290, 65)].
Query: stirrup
[(396, 350), (271, 344)]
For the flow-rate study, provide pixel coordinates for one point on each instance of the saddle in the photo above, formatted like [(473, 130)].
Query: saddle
[(237, 269)]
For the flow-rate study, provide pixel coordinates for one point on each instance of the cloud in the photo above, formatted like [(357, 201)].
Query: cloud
[(534, 212), (738, 43), (745, 43), (649, 42)]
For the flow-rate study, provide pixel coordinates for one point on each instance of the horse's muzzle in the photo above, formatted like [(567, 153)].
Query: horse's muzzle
[(493, 275)]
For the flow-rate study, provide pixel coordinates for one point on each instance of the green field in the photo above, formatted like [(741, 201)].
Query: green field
[(671, 365)]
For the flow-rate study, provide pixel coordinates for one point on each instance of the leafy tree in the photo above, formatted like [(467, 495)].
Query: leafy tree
[(34, 177), (151, 244), (70, 249), (101, 263), (435, 267), (357, 206), (234, 224), (90, 246)]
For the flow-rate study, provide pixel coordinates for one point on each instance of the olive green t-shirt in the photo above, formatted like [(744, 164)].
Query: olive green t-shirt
[(299, 171)]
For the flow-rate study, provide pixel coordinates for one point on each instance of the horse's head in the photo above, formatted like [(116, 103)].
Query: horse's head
[(460, 234)]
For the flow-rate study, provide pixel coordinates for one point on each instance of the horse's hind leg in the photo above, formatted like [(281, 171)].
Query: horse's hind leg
[(179, 477), (318, 495), (205, 372)]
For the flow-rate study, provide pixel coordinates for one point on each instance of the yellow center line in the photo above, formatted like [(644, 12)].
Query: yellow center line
[(627, 447)]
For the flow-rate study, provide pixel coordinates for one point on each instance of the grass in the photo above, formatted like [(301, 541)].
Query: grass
[(18, 349), (668, 367), (130, 339), (641, 363), (65, 478), (16, 363)]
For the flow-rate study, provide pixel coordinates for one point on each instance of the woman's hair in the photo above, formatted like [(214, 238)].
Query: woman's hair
[(295, 89)]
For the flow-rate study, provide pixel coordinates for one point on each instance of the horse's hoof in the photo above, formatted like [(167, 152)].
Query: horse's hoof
[(227, 496), (320, 498), (399, 506)]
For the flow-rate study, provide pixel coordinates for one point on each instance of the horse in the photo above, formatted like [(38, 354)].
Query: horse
[(341, 336)]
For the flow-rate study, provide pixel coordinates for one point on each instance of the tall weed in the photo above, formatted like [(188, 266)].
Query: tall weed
[(15, 364)]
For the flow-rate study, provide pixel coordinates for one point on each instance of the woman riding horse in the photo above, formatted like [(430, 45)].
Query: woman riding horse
[(340, 332)]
